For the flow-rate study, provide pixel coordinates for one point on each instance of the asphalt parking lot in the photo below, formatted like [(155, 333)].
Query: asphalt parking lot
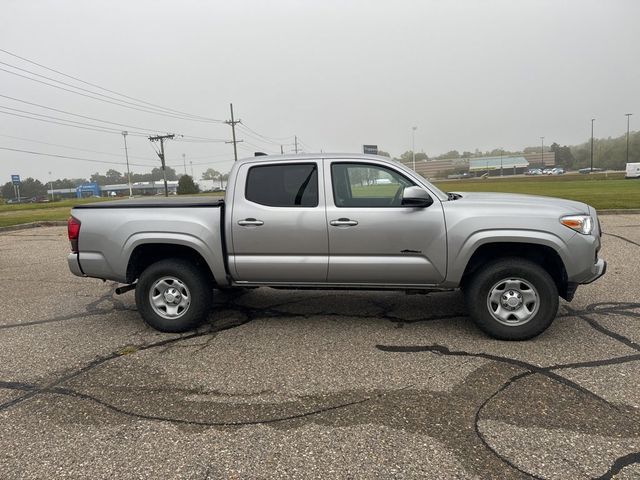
[(297, 384)]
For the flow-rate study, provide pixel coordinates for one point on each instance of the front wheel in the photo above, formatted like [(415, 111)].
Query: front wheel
[(512, 299), (173, 296)]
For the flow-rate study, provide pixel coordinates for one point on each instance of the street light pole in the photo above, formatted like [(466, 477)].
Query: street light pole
[(501, 152), (592, 120), (126, 152), (413, 146), (184, 161), (628, 116), (542, 153), (53, 199)]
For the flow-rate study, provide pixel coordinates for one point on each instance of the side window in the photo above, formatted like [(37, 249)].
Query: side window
[(283, 185), (367, 185)]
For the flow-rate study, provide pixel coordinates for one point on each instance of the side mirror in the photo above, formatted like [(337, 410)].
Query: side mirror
[(416, 197)]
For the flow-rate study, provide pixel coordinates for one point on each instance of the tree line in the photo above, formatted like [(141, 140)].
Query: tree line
[(608, 153)]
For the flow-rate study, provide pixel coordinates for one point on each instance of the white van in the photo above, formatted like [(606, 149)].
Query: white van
[(633, 170)]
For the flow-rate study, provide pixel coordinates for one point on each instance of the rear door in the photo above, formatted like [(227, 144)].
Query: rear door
[(278, 224), (373, 239)]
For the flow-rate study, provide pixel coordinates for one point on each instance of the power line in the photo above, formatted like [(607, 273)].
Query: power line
[(44, 154), (98, 129), (77, 114), (106, 129), (274, 140), (91, 96), (103, 128), (147, 105), (73, 148)]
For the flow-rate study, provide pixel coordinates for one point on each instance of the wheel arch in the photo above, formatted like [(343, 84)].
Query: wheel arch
[(147, 253), (542, 254)]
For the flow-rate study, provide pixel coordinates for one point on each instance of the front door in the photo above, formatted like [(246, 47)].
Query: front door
[(278, 223), (373, 239)]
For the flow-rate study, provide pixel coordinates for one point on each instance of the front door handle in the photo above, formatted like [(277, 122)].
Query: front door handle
[(343, 222), (250, 222)]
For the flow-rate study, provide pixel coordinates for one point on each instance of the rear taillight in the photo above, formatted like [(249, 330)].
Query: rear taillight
[(73, 230)]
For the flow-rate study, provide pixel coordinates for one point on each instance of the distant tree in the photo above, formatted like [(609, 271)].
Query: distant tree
[(114, 177), (156, 174), (450, 154), (7, 190), (68, 182), (407, 156), (210, 174), (564, 157), (99, 179), (29, 187), (186, 185), (383, 153)]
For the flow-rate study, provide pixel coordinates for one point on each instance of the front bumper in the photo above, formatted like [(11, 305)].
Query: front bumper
[(74, 265), (597, 270)]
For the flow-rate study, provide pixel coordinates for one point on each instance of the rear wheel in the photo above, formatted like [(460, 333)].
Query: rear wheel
[(173, 295), (512, 299)]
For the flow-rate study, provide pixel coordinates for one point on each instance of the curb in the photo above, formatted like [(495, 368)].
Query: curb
[(26, 226), (619, 211)]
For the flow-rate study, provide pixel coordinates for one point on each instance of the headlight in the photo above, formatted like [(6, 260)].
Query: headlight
[(580, 223)]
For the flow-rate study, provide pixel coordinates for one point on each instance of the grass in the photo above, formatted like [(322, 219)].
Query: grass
[(603, 191), (41, 212)]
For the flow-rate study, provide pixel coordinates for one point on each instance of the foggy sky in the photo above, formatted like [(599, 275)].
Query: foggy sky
[(468, 74)]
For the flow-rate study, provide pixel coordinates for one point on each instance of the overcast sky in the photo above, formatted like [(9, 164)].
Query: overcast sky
[(468, 74)]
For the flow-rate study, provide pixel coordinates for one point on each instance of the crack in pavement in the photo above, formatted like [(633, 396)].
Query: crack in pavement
[(275, 311), (622, 238), (603, 308)]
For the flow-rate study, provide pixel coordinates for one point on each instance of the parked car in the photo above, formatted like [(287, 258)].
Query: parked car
[(309, 221), (533, 171), (556, 171), (590, 170)]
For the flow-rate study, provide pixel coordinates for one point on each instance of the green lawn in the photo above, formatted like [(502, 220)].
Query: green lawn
[(39, 212), (600, 191)]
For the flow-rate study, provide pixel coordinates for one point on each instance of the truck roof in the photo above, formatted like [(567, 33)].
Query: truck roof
[(314, 156)]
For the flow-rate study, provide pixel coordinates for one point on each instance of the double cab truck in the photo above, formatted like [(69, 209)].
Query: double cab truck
[(341, 221)]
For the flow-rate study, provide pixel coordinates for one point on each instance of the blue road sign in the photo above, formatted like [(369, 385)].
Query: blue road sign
[(15, 179)]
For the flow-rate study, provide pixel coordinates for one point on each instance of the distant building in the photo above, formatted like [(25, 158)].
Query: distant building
[(120, 190), (480, 165)]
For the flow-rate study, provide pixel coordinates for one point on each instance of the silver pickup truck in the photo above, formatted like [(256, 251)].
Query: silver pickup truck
[(336, 222)]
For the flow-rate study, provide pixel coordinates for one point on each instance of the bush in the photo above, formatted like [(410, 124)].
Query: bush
[(186, 185)]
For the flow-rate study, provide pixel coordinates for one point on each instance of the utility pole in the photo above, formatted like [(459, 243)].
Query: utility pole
[(281, 150), (413, 146), (542, 153), (191, 163), (162, 138), (126, 153), (184, 161), (592, 120), (295, 142), (233, 122), (501, 152), (628, 116)]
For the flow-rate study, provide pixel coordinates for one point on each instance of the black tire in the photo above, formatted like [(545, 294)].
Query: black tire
[(199, 290), (481, 284)]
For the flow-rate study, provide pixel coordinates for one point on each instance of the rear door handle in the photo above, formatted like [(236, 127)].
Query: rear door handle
[(343, 222), (250, 222)]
